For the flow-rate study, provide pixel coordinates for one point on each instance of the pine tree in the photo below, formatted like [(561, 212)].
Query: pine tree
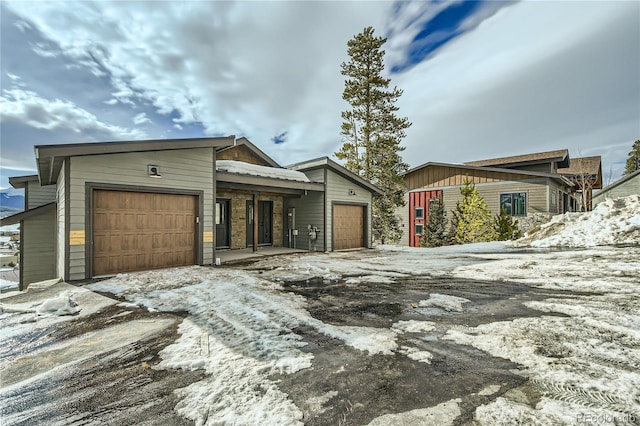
[(471, 222), (435, 234), (506, 226), (633, 161), (372, 132)]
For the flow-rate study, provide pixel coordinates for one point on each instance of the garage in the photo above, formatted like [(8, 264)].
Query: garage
[(136, 231), (348, 226)]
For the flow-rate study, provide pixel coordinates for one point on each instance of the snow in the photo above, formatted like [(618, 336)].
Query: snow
[(6, 285), (444, 301), (614, 221), (263, 171), (62, 304), (442, 415)]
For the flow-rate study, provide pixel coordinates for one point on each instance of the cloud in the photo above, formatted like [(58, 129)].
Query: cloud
[(34, 111), (141, 119), (528, 77)]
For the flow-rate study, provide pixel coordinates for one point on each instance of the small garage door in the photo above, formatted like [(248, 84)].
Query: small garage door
[(348, 226), (134, 231)]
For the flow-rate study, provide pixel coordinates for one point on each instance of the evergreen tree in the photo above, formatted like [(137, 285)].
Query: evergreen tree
[(633, 161), (372, 132), (435, 234), (506, 226), (471, 221)]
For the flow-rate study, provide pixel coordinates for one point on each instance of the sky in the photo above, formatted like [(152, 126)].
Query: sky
[(481, 79)]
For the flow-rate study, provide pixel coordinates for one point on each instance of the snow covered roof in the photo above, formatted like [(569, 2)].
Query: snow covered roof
[(239, 167)]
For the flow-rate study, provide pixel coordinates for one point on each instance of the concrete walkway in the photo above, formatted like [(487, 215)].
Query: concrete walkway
[(234, 256)]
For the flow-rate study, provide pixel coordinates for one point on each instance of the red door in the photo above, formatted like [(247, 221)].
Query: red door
[(419, 213)]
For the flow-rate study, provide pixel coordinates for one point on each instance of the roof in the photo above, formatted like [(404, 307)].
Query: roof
[(578, 166), (465, 166), (50, 158), (254, 149), (618, 182), (19, 182), (589, 166), (19, 217), (322, 162), (561, 156)]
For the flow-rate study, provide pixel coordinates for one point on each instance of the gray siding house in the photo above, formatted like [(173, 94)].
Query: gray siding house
[(99, 209), (524, 185), (623, 187)]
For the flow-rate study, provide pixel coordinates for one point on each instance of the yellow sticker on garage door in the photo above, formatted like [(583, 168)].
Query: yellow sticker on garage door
[(76, 238), (208, 236)]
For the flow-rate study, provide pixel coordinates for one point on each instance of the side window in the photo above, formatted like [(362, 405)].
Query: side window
[(419, 228), (514, 204), (419, 212)]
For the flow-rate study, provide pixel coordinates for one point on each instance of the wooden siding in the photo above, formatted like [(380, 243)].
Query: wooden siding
[(240, 153), (188, 170), (629, 187), (420, 199), (316, 175), (309, 211), (61, 230), (39, 195), (337, 190), (536, 195), (402, 213), (441, 176), (39, 248)]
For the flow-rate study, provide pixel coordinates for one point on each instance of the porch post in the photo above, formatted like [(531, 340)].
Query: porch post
[(255, 221)]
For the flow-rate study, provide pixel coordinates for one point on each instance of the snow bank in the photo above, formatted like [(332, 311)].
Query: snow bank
[(263, 171), (614, 221)]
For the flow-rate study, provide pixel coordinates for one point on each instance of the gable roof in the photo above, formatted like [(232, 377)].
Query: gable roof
[(49, 158), (466, 166), (246, 143), (585, 166), (561, 156), (322, 162), (19, 182)]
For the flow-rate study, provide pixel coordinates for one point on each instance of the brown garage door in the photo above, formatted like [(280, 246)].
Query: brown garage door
[(134, 231), (348, 226)]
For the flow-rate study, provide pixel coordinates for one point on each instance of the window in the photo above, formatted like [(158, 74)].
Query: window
[(419, 212), (419, 228), (220, 213), (514, 204)]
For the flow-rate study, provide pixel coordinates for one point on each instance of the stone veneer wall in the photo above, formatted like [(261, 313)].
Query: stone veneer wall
[(239, 216)]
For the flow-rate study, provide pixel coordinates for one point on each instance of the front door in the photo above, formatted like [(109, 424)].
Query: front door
[(265, 222), (222, 223)]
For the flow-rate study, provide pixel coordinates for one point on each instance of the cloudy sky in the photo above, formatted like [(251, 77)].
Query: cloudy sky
[(481, 79)]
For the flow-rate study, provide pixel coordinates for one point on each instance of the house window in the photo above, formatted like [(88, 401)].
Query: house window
[(514, 204), (419, 212), (220, 213), (419, 229)]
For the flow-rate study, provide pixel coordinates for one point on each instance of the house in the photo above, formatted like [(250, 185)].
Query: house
[(99, 209), (586, 174), (524, 185), (623, 187)]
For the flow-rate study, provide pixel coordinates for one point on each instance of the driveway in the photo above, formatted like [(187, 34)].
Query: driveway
[(478, 334)]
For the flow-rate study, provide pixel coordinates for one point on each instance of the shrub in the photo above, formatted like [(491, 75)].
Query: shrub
[(506, 227)]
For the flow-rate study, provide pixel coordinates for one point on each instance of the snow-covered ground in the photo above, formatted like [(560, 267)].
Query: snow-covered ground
[(581, 354)]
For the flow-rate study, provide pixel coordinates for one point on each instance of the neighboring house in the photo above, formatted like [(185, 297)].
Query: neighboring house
[(104, 208), (623, 187), (523, 185), (586, 174)]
